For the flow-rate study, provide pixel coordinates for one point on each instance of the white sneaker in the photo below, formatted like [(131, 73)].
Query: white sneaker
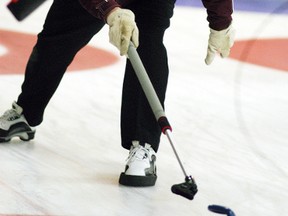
[(14, 124), (140, 168)]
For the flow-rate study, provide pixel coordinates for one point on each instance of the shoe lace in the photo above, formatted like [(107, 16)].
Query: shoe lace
[(138, 153), (10, 115)]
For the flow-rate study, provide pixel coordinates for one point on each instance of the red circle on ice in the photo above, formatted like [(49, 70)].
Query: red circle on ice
[(15, 48), (270, 53)]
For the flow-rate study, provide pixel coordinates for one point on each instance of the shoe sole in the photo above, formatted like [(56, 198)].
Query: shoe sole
[(24, 136), (137, 181)]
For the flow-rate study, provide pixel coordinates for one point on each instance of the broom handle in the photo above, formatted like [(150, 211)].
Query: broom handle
[(145, 82), (152, 98)]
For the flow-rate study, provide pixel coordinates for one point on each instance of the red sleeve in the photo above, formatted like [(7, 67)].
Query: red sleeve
[(99, 8), (219, 13)]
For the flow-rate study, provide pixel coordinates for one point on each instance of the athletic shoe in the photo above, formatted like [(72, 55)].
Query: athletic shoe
[(140, 168), (14, 124)]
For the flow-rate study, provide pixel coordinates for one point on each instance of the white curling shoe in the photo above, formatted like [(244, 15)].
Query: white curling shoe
[(140, 168), (14, 124)]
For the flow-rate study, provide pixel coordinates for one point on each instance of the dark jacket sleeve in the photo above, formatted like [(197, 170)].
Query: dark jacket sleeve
[(219, 13), (99, 8)]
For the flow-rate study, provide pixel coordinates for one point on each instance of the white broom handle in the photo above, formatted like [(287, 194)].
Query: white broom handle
[(145, 82)]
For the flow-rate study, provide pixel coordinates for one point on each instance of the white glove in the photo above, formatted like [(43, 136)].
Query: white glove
[(220, 42), (123, 29)]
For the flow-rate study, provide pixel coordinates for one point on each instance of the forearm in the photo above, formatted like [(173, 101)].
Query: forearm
[(219, 13)]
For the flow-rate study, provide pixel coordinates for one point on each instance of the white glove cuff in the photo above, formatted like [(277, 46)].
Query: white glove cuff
[(119, 13), (222, 32)]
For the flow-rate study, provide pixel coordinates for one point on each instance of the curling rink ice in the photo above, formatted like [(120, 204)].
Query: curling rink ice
[(229, 119)]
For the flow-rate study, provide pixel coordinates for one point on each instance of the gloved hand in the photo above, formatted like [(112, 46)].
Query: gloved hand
[(220, 42), (122, 29)]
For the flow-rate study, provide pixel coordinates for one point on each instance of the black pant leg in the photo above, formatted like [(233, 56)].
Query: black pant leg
[(137, 119), (68, 27)]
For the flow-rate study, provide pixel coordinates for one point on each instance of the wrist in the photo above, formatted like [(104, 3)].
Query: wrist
[(222, 30), (109, 18)]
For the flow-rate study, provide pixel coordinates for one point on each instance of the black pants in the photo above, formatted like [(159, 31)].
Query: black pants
[(67, 29)]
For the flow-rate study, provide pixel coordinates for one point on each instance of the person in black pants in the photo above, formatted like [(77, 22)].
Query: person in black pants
[(69, 26)]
